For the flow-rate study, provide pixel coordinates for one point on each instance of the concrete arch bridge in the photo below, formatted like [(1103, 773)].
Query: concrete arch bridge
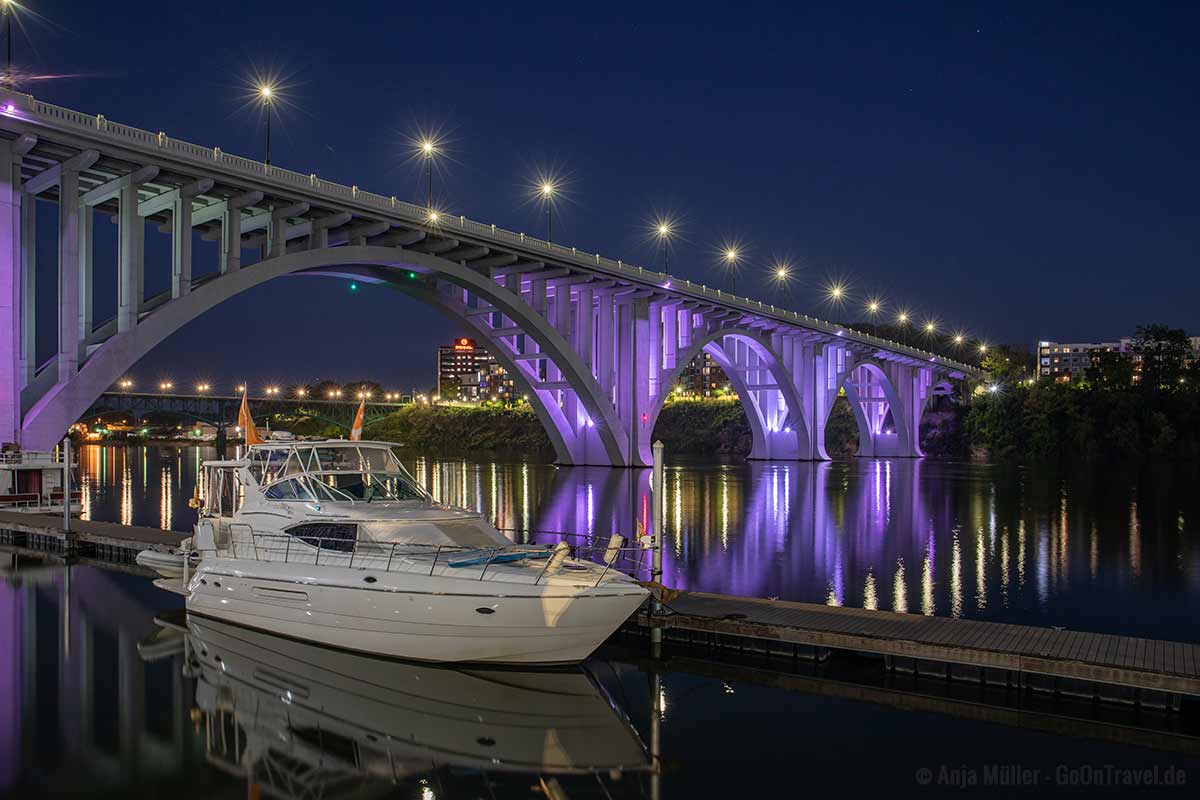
[(596, 344)]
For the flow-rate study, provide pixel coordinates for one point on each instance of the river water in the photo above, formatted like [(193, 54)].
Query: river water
[(105, 690), (1099, 550)]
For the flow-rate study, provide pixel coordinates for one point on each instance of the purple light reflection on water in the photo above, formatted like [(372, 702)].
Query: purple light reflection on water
[(1063, 549)]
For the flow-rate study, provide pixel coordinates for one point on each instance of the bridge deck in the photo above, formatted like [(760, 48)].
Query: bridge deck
[(1100, 658), (99, 534)]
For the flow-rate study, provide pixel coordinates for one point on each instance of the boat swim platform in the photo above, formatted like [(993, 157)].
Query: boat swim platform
[(1102, 666), (106, 542)]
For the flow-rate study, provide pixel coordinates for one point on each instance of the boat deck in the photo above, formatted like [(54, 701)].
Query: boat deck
[(1094, 657)]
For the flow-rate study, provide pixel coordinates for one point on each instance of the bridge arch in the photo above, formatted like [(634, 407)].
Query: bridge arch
[(593, 436), (887, 425), (757, 374)]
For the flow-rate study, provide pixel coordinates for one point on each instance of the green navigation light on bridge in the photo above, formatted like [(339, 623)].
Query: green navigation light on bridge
[(354, 287)]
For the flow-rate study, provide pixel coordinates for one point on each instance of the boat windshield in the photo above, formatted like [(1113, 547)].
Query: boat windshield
[(368, 486), (335, 473)]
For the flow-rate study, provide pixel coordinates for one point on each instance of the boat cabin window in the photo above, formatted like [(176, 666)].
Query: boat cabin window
[(290, 489), (326, 535)]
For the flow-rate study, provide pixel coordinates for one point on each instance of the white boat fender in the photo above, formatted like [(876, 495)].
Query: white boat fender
[(557, 557), (614, 548)]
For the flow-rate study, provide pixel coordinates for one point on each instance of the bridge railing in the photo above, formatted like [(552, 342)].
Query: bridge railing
[(418, 215)]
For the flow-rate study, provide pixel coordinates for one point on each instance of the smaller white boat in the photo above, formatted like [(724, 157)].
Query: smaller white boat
[(32, 482)]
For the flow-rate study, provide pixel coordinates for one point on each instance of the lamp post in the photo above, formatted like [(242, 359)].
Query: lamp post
[(429, 150), (266, 93), (730, 258), (8, 36), (663, 231), (546, 192)]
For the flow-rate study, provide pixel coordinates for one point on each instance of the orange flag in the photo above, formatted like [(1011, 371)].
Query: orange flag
[(246, 422), (356, 428)]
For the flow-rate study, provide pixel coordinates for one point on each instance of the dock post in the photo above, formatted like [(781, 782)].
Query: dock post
[(66, 485), (656, 490)]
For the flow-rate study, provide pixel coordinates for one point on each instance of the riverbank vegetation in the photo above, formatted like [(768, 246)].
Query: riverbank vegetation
[(1142, 404)]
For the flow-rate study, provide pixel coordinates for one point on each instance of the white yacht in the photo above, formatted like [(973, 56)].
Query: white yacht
[(32, 481), (334, 542), (285, 714)]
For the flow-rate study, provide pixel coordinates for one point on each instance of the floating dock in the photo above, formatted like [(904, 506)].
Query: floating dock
[(107, 542), (1103, 666)]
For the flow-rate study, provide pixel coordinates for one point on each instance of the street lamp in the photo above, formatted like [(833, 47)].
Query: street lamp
[(663, 232), (202, 387), (874, 306), (731, 256), (165, 386), (428, 149), (546, 192), (8, 36), (241, 388), (835, 292), (266, 93)]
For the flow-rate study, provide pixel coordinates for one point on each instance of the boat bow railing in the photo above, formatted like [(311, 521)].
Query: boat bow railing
[(242, 541)]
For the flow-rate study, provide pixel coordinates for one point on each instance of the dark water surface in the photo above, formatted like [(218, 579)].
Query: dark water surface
[(1099, 550), (99, 699)]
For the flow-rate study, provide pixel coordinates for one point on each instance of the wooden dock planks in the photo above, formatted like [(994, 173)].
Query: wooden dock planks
[(104, 534), (1120, 660)]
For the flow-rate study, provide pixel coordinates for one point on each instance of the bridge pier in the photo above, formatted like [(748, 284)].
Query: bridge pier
[(14, 339)]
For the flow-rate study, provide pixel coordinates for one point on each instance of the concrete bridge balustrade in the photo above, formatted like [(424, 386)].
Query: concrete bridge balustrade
[(595, 344)]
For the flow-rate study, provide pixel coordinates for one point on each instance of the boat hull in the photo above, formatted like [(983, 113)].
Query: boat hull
[(420, 618)]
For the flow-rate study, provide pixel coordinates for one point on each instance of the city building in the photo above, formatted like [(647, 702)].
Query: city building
[(1070, 361), (701, 378), (467, 372)]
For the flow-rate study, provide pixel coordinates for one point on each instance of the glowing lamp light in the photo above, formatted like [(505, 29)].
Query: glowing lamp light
[(547, 189), (731, 255), (434, 216), (353, 286)]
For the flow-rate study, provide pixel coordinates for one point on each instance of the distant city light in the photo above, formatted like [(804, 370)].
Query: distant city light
[(202, 387), (165, 385)]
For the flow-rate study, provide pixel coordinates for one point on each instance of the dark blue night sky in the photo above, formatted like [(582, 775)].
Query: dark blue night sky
[(1019, 171)]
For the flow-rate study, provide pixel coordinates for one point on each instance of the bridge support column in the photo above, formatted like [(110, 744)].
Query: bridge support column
[(68, 274), (181, 247), (86, 280), (129, 268), (604, 344), (28, 288), (11, 306)]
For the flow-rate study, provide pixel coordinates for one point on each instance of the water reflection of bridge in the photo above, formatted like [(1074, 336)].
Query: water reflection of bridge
[(75, 697), (745, 529)]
